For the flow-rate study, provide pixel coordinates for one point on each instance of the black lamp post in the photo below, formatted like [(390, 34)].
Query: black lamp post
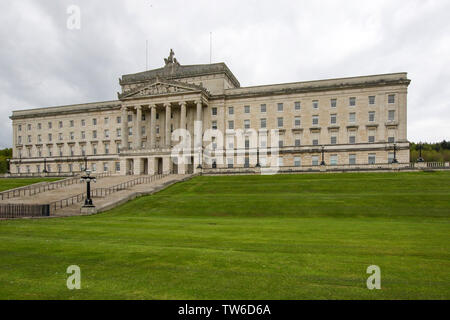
[(258, 165), (394, 160), (199, 160), (85, 163), (45, 166), (9, 165), (87, 178), (420, 159), (322, 163)]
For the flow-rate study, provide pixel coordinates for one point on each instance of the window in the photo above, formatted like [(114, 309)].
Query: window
[(333, 139), (94, 167), (280, 107), (315, 104), (39, 138), (333, 103), (83, 135), (231, 124), (230, 110), (94, 149), (29, 127), (230, 142), (280, 162), (59, 168), (246, 109), (39, 152), (60, 124), (247, 162), (29, 139), (352, 138), (333, 118), (297, 106), (20, 139), (38, 168), (352, 159), (333, 159), (315, 120), (49, 137), (391, 115), (83, 122), (247, 124), (105, 167), (39, 126), (106, 148), (94, 134), (19, 127), (297, 161), (119, 119), (297, 141), (263, 141), (118, 147), (60, 151), (157, 130), (83, 150), (230, 162), (352, 101), (94, 121), (280, 143), (106, 120), (50, 151), (315, 142), (106, 133), (49, 125), (390, 157), (352, 117), (263, 108), (70, 167), (391, 139), (371, 116), (72, 123), (371, 100), (391, 98), (117, 166), (130, 130), (315, 160), (72, 135), (72, 153), (263, 123), (214, 111), (280, 122), (371, 158), (130, 117), (297, 122), (60, 136), (143, 129), (371, 136), (214, 125), (29, 152), (247, 143)]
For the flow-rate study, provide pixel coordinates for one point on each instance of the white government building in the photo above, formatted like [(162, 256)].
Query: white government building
[(356, 121)]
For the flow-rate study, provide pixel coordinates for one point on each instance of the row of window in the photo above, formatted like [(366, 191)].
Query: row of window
[(297, 120), (297, 105), (71, 167)]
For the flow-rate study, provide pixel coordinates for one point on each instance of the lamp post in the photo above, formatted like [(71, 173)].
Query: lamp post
[(8, 165), (199, 159), (85, 164), (45, 166), (322, 163), (87, 178), (258, 165), (420, 159), (394, 160)]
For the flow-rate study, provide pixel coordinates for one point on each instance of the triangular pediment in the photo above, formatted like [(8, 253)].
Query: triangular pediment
[(159, 88)]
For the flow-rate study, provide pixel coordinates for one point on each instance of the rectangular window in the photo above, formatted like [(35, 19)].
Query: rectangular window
[(352, 159), (371, 158), (106, 148), (118, 132), (230, 110), (94, 121), (72, 123), (315, 142), (143, 130), (315, 120), (280, 143), (94, 167), (297, 142), (280, 122), (391, 98), (371, 116), (390, 157), (280, 107), (247, 162), (29, 139), (333, 118), (391, 115), (214, 125), (297, 161), (130, 130), (49, 137), (60, 136), (94, 149), (352, 117), (60, 124), (263, 108), (72, 135), (83, 122), (263, 123), (39, 126), (315, 104), (231, 124), (130, 117), (117, 166), (315, 160), (333, 103), (297, 106), (230, 162), (333, 140), (246, 109), (333, 159), (214, 111), (94, 134), (19, 127), (352, 101), (391, 139), (39, 138), (29, 127), (72, 153), (352, 138), (371, 100), (106, 119), (119, 120), (49, 125), (371, 137), (247, 124), (106, 133), (297, 122)]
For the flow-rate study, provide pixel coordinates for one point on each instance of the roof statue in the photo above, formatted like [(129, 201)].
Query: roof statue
[(170, 59)]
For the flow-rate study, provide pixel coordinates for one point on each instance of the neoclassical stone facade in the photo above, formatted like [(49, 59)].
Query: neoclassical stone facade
[(348, 121)]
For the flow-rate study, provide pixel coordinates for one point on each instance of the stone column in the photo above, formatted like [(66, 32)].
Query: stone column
[(199, 128), (167, 131), (183, 115), (152, 126), (137, 128), (124, 128)]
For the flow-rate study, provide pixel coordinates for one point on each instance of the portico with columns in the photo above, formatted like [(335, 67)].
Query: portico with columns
[(156, 111)]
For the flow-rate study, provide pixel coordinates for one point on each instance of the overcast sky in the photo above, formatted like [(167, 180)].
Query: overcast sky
[(43, 63)]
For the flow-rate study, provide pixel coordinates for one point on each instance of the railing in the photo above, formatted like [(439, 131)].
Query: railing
[(18, 210), (43, 186), (436, 164), (103, 192)]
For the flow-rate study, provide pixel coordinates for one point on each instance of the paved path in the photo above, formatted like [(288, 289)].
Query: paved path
[(117, 198)]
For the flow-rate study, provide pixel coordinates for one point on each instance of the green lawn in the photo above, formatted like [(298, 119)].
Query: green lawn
[(11, 183), (245, 237)]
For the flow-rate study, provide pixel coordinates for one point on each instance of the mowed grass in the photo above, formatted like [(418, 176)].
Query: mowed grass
[(11, 183), (306, 236)]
